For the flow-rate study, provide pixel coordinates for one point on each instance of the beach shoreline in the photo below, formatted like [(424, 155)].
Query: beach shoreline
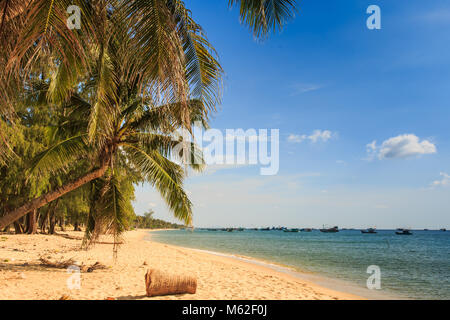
[(22, 276), (295, 272)]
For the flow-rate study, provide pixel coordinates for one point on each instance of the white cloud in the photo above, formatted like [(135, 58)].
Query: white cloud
[(296, 138), (372, 146), (445, 181), (400, 147), (320, 135), (316, 136), (371, 149), (301, 88)]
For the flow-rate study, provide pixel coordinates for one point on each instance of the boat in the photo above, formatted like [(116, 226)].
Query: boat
[(306, 230), (370, 231), (291, 230), (404, 232), (330, 230), (265, 229), (443, 229), (230, 230)]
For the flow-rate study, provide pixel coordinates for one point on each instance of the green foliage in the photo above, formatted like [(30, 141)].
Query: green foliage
[(26, 139), (147, 221), (109, 98)]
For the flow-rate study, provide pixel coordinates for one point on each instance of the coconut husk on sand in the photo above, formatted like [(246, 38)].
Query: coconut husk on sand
[(159, 283)]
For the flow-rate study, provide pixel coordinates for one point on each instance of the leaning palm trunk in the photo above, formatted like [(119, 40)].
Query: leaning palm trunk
[(41, 201)]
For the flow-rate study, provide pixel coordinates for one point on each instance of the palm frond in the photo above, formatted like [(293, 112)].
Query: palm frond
[(265, 16), (60, 155), (169, 117), (46, 31), (203, 70), (160, 66), (106, 99), (109, 210), (169, 146), (166, 176)]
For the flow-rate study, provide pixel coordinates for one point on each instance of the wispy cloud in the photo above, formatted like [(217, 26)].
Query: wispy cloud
[(301, 88), (444, 182), (400, 147), (314, 137)]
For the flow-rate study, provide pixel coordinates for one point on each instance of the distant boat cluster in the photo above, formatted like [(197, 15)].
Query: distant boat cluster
[(260, 229), (335, 229)]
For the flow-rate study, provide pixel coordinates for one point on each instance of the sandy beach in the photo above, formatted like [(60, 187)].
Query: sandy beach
[(22, 276)]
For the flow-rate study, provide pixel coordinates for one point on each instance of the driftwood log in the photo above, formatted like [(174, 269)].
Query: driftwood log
[(159, 283)]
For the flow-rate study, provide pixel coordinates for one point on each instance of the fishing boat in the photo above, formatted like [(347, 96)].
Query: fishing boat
[(369, 231), (330, 230), (403, 232), (291, 230)]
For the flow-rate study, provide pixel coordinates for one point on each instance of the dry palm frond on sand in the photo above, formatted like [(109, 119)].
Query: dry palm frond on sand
[(70, 262)]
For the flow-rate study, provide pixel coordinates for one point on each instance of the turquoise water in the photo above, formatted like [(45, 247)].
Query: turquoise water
[(416, 266)]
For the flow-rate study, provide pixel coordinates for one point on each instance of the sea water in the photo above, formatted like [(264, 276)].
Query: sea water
[(412, 267)]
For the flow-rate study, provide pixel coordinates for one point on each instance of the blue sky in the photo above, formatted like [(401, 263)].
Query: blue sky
[(326, 71)]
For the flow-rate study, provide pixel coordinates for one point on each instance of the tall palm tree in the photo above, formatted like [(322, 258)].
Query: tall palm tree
[(114, 111), (166, 50), (140, 139), (136, 58)]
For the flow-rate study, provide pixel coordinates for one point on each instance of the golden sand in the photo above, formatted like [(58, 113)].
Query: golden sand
[(23, 277)]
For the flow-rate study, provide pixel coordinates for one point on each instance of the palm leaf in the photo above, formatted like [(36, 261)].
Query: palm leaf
[(166, 177), (61, 155), (265, 16), (172, 147)]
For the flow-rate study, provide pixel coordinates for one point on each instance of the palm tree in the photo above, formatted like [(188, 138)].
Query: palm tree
[(146, 69), (139, 140), (163, 30), (109, 118)]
